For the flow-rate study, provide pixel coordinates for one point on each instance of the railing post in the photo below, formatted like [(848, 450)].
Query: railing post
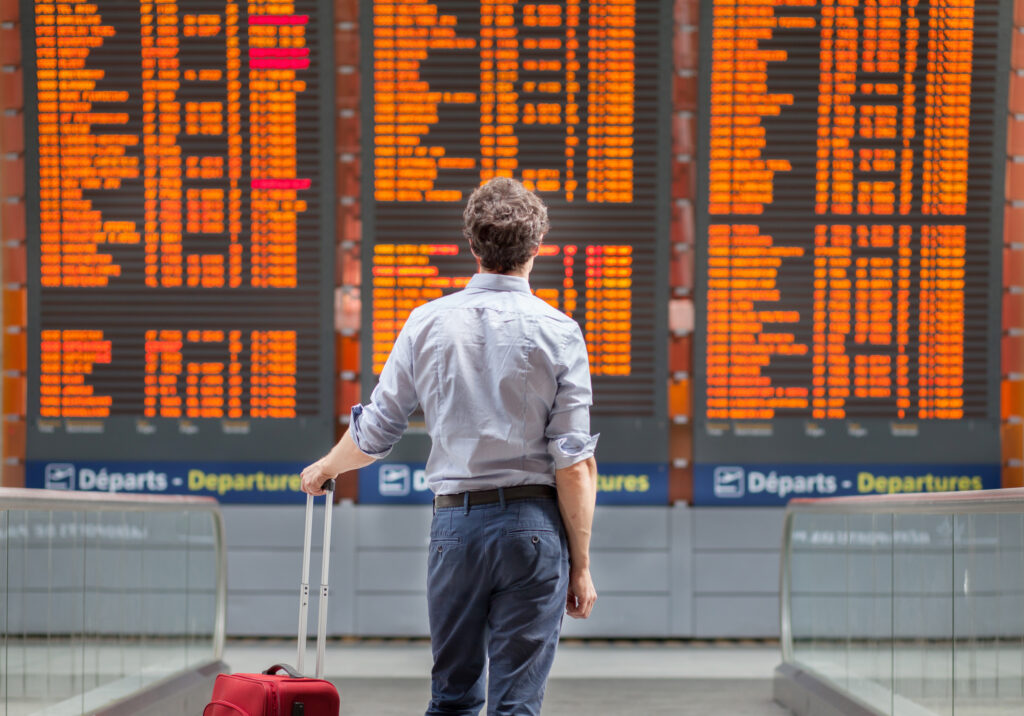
[(785, 575)]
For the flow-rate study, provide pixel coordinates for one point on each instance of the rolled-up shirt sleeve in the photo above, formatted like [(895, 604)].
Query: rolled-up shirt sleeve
[(379, 424), (568, 428)]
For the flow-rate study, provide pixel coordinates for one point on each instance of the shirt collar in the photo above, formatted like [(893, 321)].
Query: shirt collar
[(499, 282)]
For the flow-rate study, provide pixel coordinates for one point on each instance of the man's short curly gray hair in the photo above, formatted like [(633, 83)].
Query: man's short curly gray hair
[(504, 223)]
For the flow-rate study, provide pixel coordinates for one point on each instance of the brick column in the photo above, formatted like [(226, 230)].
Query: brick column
[(1013, 267), (681, 307), (12, 236), (347, 317)]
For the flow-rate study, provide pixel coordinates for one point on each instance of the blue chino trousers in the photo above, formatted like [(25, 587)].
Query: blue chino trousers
[(497, 577)]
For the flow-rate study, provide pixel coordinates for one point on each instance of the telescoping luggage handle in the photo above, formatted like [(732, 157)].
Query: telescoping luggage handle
[(321, 631)]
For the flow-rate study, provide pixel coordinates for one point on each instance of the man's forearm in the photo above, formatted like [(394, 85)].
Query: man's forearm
[(345, 456), (577, 492)]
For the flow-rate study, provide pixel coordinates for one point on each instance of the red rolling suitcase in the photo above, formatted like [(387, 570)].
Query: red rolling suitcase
[(290, 694)]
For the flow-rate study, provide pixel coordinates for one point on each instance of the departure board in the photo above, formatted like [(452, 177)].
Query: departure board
[(179, 164), (849, 232), (570, 98)]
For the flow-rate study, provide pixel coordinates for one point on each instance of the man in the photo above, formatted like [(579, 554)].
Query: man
[(504, 384)]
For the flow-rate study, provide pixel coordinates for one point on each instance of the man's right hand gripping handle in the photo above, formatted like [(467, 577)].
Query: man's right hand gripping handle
[(577, 492)]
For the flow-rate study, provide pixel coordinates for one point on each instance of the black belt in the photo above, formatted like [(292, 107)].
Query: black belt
[(486, 497)]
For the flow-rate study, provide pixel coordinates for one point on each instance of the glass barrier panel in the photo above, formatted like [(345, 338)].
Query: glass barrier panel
[(163, 595), (802, 602), (819, 595), (202, 589), (987, 614), (132, 635), (42, 580), (48, 572), (910, 605), (100, 602), (922, 614), (14, 657), (1009, 642), (869, 576), (5, 594)]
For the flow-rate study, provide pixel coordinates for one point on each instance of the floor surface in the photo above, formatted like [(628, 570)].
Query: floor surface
[(392, 678), (579, 697), (588, 678)]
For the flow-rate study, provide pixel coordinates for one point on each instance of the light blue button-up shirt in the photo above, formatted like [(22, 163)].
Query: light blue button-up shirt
[(504, 382)]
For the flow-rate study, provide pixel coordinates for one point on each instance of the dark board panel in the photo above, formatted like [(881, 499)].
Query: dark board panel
[(851, 161), (181, 210), (570, 98)]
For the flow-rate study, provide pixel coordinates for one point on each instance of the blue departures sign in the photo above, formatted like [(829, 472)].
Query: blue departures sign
[(229, 482), (775, 484), (383, 483)]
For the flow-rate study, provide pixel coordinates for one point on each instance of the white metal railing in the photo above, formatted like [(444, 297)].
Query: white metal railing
[(105, 596), (908, 604)]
